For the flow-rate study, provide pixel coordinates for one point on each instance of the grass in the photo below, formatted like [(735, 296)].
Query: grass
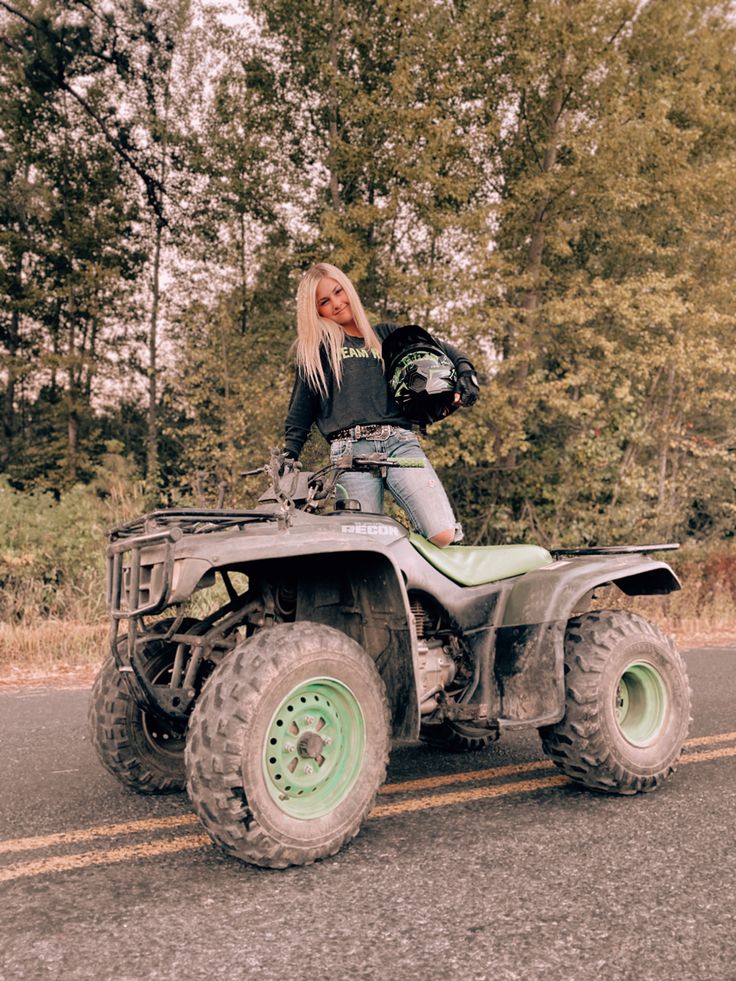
[(52, 648), (703, 613), (72, 651)]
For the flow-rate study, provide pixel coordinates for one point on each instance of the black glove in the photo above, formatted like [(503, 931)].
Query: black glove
[(287, 462), (467, 388)]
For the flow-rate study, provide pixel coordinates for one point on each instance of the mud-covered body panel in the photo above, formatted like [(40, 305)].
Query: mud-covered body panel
[(552, 591), (308, 535), (360, 573)]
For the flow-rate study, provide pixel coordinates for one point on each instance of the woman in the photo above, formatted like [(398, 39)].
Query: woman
[(340, 385)]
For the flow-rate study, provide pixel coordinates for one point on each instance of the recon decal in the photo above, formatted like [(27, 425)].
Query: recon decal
[(363, 529)]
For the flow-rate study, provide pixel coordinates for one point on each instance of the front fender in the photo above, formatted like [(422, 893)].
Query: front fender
[(363, 595)]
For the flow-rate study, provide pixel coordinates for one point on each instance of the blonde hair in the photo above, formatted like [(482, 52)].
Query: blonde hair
[(315, 333)]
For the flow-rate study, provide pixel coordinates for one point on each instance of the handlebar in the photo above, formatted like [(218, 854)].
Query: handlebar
[(368, 462), (291, 485)]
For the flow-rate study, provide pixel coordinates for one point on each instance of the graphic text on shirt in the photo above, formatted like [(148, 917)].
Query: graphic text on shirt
[(357, 352)]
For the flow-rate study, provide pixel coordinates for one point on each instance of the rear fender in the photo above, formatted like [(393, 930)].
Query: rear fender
[(530, 655)]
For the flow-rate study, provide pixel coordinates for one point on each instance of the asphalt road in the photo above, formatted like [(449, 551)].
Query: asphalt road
[(459, 873)]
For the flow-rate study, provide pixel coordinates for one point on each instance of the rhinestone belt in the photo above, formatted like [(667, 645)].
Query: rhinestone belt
[(365, 432)]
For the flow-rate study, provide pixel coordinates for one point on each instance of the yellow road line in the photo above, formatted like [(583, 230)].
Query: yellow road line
[(518, 787), (461, 796), (470, 776), (188, 842), (722, 737), (15, 845), (710, 754), (87, 834), (427, 783), (65, 863)]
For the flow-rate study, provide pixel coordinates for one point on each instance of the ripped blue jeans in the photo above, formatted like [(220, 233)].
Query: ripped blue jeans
[(417, 490)]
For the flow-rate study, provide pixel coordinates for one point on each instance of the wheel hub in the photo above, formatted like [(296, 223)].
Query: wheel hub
[(165, 737), (310, 746), (314, 748), (640, 703)]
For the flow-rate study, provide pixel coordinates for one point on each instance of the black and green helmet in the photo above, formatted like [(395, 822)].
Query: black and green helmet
[(420, 375)]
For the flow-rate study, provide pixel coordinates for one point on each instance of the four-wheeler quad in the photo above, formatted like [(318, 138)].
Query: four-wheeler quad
[(340, 630)]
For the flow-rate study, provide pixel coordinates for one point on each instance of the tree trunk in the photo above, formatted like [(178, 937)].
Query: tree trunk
[(430, 273), (531, 301), (664, 448), (89, 371), (533, 267), (243, 277), (12, 342), (72, 443), (72, 416), (152, 448), (334, 186), (152, 462)]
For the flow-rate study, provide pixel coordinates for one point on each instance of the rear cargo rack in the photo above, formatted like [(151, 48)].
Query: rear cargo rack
[(614, 549)]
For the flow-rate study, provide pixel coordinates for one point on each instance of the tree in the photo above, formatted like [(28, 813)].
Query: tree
[(68, 251), (596, 304)]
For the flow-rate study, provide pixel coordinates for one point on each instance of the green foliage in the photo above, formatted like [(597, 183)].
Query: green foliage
[(550, 186), (611, 415), (53, 548), (69, 246)]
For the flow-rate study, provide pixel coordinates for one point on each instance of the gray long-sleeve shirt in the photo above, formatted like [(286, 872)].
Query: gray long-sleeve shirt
[(363, 398)]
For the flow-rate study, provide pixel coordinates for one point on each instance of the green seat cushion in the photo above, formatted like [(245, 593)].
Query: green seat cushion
[(474, 565)]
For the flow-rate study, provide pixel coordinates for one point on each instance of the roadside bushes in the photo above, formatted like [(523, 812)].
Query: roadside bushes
[(51, 555), (52, 564), (708, 575), (52, 547), (706, 604)]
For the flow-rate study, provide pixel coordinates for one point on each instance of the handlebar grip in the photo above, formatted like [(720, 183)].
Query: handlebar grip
[(405, 461)]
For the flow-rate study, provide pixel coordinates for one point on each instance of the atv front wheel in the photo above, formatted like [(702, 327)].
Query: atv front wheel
[(627, 704), (143, 751), (288, 745)]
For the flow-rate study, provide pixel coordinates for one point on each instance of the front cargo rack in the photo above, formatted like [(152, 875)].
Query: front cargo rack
[(189, 520)]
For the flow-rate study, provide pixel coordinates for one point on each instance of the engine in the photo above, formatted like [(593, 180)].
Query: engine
[(439, 657), (437, 670)]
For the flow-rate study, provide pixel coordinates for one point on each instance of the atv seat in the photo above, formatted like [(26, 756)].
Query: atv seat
[(474, 565)]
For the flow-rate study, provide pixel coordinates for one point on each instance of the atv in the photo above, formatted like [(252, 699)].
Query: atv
[(337, 631)]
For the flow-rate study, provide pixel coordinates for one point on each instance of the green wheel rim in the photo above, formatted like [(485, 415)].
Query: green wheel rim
[(640, 703), (314, 748)]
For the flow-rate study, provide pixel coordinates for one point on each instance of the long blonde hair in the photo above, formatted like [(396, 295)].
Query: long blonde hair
[(315, 333)]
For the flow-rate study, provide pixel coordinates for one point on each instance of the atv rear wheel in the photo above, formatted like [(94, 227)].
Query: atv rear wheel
[(456, 737), (627, 704), (144, 752), (288, 745)]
